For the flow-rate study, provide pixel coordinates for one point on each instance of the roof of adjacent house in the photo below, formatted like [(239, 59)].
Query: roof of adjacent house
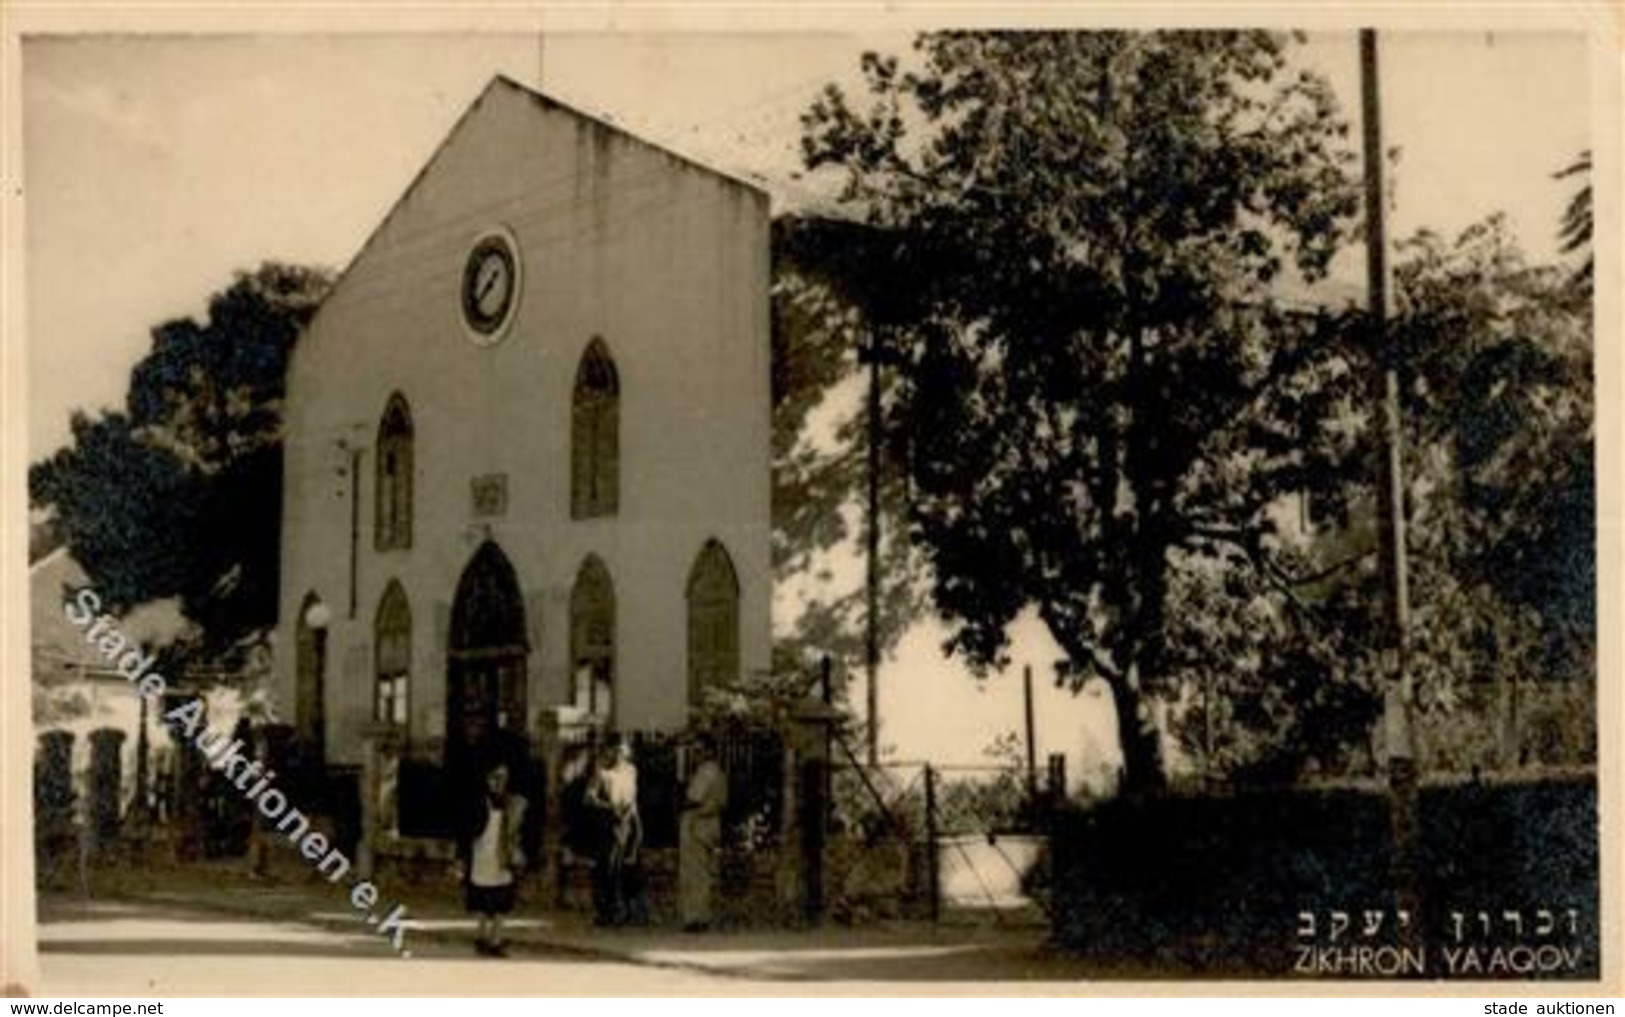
[(59, 640)]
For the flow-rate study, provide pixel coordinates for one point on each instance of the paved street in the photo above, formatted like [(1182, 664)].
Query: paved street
[(100, 948), (166, 943)]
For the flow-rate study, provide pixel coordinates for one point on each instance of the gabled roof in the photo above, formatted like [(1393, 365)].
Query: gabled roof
[(542, 101), (548, 102)]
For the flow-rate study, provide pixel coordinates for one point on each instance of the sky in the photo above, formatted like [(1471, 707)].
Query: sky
[(157, 166), (154, 167)]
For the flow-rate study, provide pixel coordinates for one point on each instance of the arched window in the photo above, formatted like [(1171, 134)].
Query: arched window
[(595, 444), (392, 652), (713, 620), (592, 640), (392, 516)]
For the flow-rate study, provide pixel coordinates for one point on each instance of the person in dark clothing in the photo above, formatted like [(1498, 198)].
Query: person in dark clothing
[(492, 856)]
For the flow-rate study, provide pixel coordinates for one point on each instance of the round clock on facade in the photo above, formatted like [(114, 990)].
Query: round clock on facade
[(491, 280)]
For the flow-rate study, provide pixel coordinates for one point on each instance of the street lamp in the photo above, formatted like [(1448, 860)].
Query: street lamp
[(318, 616)]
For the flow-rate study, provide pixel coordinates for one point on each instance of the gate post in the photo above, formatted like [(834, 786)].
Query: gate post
[(55, 830), (106, 784), (809, 743), (550, 757), (53, 780), (814, 809)]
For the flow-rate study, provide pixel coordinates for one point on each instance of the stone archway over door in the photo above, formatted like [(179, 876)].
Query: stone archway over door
[(485, 660)]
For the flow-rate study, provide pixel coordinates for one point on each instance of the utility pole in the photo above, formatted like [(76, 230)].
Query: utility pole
[(1032, 746), (871, 636), (872, 355), (1391, 499)]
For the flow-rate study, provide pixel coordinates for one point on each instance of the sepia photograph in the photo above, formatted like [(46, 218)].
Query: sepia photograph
[(867, 503)]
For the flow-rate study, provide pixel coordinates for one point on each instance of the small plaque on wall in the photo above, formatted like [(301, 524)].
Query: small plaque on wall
[(490, 495)]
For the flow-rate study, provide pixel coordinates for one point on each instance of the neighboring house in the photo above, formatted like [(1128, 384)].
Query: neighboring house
[(74, 688), (527, 446), (61, 659)]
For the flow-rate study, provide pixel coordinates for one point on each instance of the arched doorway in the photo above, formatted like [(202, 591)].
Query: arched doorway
[(485, 662)]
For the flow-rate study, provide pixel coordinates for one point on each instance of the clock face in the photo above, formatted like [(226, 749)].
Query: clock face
[(490, 285)]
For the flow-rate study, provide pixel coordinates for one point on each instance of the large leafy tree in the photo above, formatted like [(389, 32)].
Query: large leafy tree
[(1098, 385), (1500, 485), (124, 507), (179, 495), (1499, 409)]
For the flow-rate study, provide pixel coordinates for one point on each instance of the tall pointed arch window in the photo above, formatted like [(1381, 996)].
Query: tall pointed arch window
[(713, 620), (392, 650), (392, 516), (592, 640), (595, 445)]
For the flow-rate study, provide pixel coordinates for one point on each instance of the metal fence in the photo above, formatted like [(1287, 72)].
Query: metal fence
[(752, 758), (921, 840)]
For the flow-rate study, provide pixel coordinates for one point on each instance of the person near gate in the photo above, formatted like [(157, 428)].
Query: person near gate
[(699, 844)]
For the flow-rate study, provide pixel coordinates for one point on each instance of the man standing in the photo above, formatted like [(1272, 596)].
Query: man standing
[(699, 845)]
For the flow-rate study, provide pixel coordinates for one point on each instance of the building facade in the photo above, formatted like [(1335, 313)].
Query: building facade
[(527, 446)]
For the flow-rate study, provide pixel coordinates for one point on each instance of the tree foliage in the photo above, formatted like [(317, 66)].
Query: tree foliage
[(1500, 414), (179, 495), (1499, 408), (1574, 232), (1098, 386), (124, 506), (1499, 460), (828, 303)]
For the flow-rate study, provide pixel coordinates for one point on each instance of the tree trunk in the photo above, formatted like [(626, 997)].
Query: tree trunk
[(1141, 742)]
